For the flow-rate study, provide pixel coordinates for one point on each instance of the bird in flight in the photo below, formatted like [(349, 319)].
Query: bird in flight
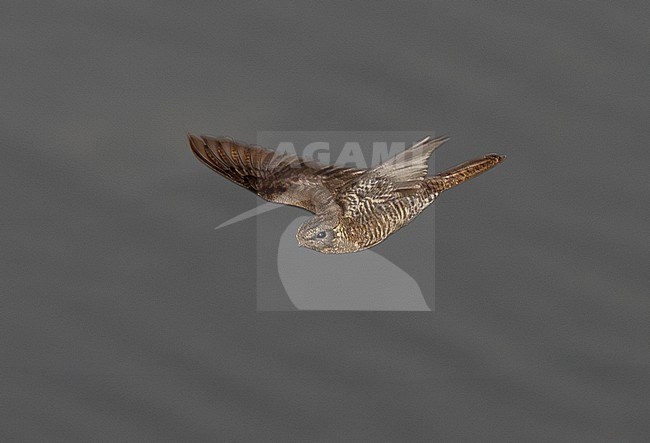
[(354, 209)]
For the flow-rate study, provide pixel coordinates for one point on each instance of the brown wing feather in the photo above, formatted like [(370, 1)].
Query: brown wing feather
[(278, 178), (409, 168), (396, 178), (463, 172)]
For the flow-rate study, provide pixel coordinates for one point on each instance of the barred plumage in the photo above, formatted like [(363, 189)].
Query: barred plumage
[(354, 209)]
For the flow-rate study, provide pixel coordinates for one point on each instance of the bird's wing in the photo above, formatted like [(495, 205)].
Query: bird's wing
[(395, 178), (278, 178), (408, 168)]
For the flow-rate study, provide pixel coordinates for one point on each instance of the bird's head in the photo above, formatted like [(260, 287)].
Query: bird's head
[(321, 234)]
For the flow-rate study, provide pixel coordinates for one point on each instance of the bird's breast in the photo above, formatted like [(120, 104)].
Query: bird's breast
[(372, 227)]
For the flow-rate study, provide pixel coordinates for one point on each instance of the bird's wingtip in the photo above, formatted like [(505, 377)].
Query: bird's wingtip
[(193, 139)]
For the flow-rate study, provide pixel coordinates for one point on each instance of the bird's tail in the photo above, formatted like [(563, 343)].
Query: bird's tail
[(463, 172)]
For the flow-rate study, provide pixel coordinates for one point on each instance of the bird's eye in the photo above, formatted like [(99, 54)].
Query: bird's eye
[(321, 234)]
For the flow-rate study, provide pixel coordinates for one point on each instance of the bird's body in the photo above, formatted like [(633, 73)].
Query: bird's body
[(354, 209), (366, 228)]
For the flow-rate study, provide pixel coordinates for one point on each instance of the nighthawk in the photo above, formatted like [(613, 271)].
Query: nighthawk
[(354, 209)]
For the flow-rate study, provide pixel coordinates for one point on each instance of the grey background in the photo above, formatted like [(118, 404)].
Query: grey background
[(124, 316)]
